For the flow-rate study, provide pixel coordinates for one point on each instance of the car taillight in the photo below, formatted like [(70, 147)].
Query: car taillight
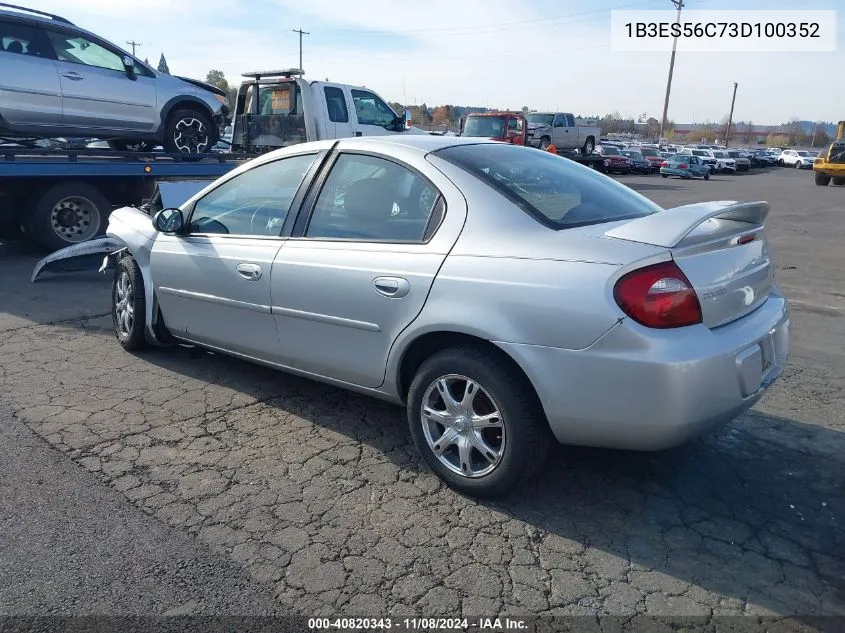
[(683, 166), (658, 296), (665, 163)]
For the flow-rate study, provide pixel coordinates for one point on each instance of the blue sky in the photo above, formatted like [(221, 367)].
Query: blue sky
[(501, 53)]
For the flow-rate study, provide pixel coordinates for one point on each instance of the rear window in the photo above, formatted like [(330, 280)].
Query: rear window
[(556, 191)]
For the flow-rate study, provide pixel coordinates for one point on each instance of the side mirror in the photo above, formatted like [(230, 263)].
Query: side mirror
[(169, 221), (129, 66)]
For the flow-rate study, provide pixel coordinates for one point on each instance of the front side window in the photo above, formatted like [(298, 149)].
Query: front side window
[(255, 202), (79, 50), (371, 110), (367, 198), (558, 193)]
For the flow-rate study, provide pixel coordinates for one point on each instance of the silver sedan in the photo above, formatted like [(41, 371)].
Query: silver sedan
[(505, 296)]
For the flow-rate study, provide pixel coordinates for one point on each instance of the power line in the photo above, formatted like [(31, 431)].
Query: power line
[(301, 33), (133, 44)]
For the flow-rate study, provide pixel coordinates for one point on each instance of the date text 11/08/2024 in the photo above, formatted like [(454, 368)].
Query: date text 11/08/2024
[(417, 624)]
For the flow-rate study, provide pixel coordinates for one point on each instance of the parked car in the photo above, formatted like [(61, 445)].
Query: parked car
[(766, 158), (614, 161), (702, 154), (562, 129), (393, 286), (685, 166), (639, 164), (723, 161), (59, 80), (795, 158), (743, 163), (654, 157)]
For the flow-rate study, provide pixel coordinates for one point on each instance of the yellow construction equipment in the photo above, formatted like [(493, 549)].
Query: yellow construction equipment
[(830, 163)]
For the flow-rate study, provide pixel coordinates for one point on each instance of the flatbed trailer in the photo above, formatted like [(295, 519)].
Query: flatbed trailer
[(62, 197)]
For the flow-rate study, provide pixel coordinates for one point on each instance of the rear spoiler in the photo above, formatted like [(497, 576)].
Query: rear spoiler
[(668, 228)]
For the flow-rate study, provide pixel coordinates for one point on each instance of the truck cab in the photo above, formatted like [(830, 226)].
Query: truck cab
[(562, 129), (279, 108), (506, 127)]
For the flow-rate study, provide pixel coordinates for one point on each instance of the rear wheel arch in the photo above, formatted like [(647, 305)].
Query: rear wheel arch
[(426, 345)]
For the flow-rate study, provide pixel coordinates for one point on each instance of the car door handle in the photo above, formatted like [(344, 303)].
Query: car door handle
[(250, 272), (358, 133), (393, 287), (73, 75)]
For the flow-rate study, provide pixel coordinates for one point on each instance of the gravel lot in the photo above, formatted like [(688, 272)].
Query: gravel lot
[(222, 487)]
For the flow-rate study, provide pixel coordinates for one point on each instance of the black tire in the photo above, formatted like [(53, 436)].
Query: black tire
[(839, 181), (665, 175), (822, 180), (526, 433), (67, 214), (589, 146), (707, 176), (128, 145), (130, 336), (189, 132), (545, 142)]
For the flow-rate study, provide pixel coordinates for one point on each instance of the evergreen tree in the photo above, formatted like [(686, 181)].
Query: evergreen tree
[(162, 65)]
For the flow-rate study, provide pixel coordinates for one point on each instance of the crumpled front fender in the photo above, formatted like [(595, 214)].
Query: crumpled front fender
[(134, 230)]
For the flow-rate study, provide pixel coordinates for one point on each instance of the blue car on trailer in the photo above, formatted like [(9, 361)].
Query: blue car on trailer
[(685, 167)]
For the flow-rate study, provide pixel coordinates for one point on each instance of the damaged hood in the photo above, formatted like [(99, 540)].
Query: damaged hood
[(203, 85)]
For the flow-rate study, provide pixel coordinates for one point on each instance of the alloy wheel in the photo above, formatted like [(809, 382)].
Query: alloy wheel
[(124, 305), (190, 136), (463, 426)]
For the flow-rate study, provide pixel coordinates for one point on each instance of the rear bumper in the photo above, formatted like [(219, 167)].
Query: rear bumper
[(643, 389)]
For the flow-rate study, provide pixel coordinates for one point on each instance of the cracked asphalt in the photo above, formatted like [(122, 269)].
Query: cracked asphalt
[(280, 494)]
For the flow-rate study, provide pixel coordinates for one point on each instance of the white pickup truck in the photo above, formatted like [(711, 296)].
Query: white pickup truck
[(562, 129), (280, 108)]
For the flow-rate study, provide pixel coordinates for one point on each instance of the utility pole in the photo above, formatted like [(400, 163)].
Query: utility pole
[(301, 33), (133, 44), (730, 118), (679, 4)]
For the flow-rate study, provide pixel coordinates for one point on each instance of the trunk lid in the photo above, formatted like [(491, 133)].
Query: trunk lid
[(720, 246)]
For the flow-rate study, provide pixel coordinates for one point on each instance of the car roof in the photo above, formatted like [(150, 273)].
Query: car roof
[(424, 142), (33, 15)]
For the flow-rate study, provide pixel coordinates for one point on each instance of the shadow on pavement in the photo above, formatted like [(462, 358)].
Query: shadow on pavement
[(752, 512), (53, 297)]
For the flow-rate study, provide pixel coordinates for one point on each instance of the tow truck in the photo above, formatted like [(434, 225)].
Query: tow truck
[(61, 197), (830, 163)]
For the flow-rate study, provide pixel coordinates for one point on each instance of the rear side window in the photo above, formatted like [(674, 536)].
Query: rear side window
[(20, 39), (557, 192), (336, 104), (570, 120), (367, 198)]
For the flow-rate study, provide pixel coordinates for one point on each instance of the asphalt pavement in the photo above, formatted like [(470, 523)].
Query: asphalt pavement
[(179, 479)]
